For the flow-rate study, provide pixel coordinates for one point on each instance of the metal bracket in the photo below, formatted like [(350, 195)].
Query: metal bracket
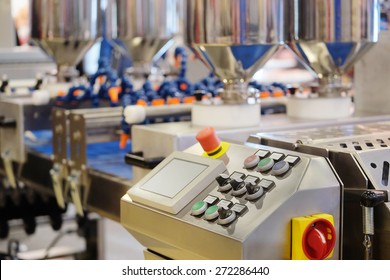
[(57, 176), (78, 183), (78, 179), (59, 172), (7, 161)]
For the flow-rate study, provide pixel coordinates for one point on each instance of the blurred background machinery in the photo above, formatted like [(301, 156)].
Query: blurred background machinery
[(102, 103)]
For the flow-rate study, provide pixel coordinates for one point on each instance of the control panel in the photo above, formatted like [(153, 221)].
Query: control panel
[(242, 212)]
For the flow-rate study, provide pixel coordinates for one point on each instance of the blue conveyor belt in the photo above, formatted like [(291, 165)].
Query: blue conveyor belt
[(106, 157)]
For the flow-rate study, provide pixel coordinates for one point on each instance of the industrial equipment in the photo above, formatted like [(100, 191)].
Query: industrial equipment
[(329, 37), (197, 207), (360, 155), (211, 214), (262, 197), (147, 29), (66, 30)]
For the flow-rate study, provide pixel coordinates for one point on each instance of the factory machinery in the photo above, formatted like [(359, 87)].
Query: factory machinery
[(308, 184)]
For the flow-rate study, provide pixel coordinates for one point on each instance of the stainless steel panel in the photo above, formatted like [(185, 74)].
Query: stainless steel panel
[(359, 154), (147, 27), (234, 38), (330, 36), (263, 232), (66, 29), (11, 138)]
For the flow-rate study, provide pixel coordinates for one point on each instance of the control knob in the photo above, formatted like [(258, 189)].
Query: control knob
[(254, 191), (226, 216), (223, 181), (238, 186)]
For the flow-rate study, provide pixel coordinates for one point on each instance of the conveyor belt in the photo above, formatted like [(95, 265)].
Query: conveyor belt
[(106, 157)]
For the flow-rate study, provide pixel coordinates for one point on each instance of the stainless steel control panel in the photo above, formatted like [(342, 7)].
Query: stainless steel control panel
[(245, 212)]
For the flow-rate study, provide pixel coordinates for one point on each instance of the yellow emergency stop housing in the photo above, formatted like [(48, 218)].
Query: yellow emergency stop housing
[(313, 237)]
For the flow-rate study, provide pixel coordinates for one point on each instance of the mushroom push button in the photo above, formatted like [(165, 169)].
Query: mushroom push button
[(265, 164), (211, 213), (198, 208), (251, 161), (280, 168), (314, 237)]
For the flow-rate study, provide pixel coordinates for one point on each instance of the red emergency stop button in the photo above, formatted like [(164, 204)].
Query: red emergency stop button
[(318, 240), (212, 146)]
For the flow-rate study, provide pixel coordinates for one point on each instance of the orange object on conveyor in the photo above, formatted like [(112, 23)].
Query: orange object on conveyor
[(113, 93), (173, 100), (141, 102), (278, 93), (123, 140), (101, 80), (61, 92), (77, 92), (189, 99), (183, 86), (158, 102), (265, 94), (177, 61)]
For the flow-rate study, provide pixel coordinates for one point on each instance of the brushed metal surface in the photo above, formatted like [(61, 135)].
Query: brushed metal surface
[(66, 29), (330, 36), (147, 28), (360, 155), (235, 38), (263, 232)]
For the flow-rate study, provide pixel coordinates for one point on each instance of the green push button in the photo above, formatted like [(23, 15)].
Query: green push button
[(211, 212), (198, 208), (265, 164)]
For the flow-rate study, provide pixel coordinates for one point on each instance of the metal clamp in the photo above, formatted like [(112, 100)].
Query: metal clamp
[(369, 200), (78, 182), (58, 174), (9, 172)]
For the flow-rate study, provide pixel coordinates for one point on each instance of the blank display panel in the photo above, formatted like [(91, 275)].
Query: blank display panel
[(174, 177)]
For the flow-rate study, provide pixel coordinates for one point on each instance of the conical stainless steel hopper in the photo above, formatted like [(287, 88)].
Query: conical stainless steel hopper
[(147, 28), (329, 36), (65, 29), (235, 38)]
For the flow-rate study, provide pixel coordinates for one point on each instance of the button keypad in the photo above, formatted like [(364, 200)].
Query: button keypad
[(280, 168), (265, 164), (210, 199), (266, 184), (244, 187), (225, 203), (239, 208), (262, 153), (292, 160), (276, 156)]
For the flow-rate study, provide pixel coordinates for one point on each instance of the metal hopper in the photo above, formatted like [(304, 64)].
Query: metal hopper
[(147, 28), (329, 36), (235, 38), (65, 29)]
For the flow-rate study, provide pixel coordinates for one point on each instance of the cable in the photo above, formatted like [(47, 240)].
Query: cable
[(55, 241), (13, 249)]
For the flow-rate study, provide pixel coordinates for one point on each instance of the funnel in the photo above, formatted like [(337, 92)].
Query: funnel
[(234, 39), (65, 29), (329, 36), (147, 28)]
